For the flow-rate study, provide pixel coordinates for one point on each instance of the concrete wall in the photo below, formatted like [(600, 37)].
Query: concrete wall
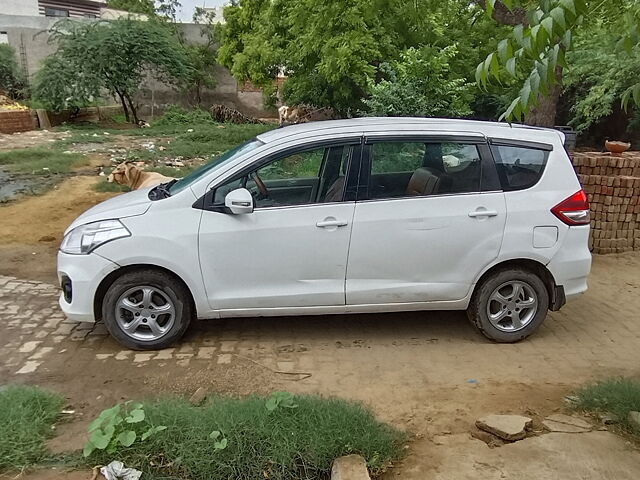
[(19, 7), (28, 35)]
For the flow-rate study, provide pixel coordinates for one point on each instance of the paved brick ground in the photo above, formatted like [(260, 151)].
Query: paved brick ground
[(350, 355)]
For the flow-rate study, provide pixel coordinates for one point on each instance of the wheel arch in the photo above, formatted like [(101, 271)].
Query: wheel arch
[(556, 297), (107, 281)]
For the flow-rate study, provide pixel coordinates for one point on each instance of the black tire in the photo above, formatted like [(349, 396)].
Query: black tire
[(478, 312), (164, 285)]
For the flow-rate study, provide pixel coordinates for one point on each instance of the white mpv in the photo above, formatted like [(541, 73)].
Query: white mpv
[(362, 215)]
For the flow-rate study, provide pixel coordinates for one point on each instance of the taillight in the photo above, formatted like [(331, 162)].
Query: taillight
[(573, 210)]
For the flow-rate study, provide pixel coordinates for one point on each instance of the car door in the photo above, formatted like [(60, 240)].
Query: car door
[(291, 251), (429, 218)]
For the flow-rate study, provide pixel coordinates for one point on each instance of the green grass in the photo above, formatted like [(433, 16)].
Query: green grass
[(104, 186), (85, 137), (617, 396), (41, 161), (26, 417), (285, 444)]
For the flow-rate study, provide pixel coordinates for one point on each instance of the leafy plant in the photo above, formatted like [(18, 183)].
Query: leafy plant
[(280, 400), (176, 115), (534, 54), (220, 443), (421, 84), (11, 77), (116, 427)]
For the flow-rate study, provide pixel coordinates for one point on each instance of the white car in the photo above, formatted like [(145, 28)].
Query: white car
[(362, 215)]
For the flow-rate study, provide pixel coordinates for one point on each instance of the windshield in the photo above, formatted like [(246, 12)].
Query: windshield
[(221, 160)]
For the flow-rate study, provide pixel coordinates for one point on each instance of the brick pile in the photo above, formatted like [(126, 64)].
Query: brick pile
[(613, 187), (16, 121)]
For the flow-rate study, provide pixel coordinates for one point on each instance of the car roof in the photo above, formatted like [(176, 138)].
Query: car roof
[(400, 124)]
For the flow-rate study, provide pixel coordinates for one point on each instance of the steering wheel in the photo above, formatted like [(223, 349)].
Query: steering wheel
[(262, 188)]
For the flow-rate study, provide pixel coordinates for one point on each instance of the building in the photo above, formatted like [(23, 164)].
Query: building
[(24, 25), (53, 8)]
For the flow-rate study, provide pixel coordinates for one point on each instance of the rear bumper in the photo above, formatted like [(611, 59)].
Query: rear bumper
[(570, 267), (79, 277)]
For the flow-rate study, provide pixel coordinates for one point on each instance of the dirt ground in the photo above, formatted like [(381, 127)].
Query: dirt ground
[(427, 373), (32, 228), (34, 138)]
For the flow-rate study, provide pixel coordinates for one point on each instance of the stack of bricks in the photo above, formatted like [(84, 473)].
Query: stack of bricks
[(613, 187), (13, 121)]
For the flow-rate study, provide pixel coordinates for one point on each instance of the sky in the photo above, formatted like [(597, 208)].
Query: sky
[(189, 5)]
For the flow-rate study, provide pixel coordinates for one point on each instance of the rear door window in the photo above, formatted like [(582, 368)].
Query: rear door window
[(414, 168), (519, 167)]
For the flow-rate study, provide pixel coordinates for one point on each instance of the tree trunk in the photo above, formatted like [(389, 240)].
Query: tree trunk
[(544, 113), (124, 108), (134, 112)]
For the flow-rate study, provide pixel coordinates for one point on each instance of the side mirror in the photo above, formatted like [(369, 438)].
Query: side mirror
[(239, 201)]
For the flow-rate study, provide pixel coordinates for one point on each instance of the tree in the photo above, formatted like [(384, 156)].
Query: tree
[(420, 84), (11, 81), (144, 7), (116, 56), (534, 54), (598, 78), (202, 56), (332, 51)]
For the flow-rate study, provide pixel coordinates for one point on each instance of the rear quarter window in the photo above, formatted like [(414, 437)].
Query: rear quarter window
[(519, 167)]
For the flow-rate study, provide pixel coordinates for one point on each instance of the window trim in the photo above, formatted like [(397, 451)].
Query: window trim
[(205, 202), (484, 152), (505, 142), (429, 138)]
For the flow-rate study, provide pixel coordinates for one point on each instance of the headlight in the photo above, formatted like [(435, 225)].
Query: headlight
[(85, 238)]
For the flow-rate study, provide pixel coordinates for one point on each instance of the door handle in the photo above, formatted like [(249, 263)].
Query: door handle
[(331, 223), (483, 213)]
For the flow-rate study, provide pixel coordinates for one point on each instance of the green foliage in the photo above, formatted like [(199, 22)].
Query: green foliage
[(618, 396), (119, 427), (176, 115), (208, 140), (58, 86), (11, 81), (41, 161), (332, 51), (599, 76), (117, 56), (26, 417), (280, 400), (421, 84), (145, 7), (105, 186), (534, 53), (239, 438), (202, 56)]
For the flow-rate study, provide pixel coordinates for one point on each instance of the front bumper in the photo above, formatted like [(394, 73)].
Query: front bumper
[(79, 276)]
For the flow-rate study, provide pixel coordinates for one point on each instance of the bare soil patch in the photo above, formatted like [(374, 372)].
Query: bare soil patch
[(32, 228)]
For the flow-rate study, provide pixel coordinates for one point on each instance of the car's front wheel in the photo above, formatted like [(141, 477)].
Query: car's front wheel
[(509, 305), (146, 309)]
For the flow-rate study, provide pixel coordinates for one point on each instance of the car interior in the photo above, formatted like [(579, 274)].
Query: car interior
[(437, 172)]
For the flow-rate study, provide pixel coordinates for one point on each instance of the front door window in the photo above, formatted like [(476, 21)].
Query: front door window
[(302, 178)]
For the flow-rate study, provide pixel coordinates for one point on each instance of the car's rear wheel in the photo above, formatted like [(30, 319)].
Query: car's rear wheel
[(147, 309), (509, 305)]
